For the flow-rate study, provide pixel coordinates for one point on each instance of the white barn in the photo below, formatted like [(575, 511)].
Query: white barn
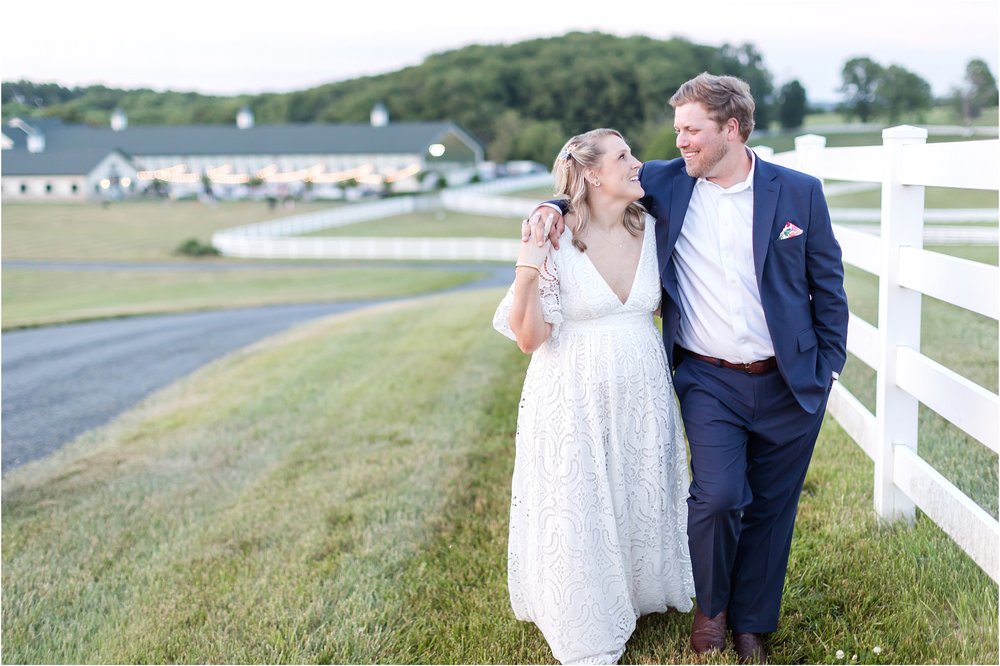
[(46, 159)]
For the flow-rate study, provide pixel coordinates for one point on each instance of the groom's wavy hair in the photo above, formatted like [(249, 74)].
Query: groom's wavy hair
[(724, 97), (581, 153)]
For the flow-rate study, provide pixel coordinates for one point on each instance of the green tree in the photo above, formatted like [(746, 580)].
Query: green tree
[(978, 92), (663, 145), (539, 141), (505, 131), (860, 80), (747, 63), (900, 92), (36, 94), (792, 105)]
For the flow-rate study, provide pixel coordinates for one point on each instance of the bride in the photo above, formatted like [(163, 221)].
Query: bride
[(598, 509)]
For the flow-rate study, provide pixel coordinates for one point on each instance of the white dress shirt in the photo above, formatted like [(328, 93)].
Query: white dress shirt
[(721, 312)]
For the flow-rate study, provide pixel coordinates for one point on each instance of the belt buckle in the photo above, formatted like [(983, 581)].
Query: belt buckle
[(746, 366)]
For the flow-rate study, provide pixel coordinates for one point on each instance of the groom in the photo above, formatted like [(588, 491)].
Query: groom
[(755, 326)]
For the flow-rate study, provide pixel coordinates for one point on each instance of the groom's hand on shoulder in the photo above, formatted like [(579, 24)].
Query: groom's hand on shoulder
[(545, 220)]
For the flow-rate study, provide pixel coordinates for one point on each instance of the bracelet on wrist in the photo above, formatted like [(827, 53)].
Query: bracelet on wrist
[(522, 264)]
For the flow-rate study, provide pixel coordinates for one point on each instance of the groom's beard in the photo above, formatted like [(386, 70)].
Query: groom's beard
[(706, 160)]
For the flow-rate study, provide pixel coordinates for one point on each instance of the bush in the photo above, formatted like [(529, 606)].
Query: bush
[(193, 247)]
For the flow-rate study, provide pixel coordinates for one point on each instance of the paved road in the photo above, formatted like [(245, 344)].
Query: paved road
[(60, 381)]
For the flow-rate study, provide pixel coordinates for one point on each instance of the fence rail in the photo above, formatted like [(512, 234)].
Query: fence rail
[(279, 238), (356, 247), (904, 165)]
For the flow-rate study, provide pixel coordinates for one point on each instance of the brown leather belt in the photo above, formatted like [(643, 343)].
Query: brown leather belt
[(755, 368)]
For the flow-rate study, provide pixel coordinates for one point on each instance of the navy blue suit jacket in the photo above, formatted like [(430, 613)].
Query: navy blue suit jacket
[(801, 279)]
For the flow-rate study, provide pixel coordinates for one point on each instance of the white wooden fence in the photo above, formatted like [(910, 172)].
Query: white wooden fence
[(904, 165), (280, 238)]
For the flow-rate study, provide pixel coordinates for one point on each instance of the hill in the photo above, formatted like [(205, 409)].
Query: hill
[(522, 99)]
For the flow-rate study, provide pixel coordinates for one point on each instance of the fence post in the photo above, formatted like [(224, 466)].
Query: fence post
[(807, 150), (898, 321)]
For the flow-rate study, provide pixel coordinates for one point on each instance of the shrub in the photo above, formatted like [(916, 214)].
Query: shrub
[(193, 247)]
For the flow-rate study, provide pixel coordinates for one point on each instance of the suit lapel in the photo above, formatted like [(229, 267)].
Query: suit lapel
[(765, 203), (683, 187)]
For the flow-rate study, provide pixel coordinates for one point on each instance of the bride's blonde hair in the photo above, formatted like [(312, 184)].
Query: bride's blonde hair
[(580, 153)]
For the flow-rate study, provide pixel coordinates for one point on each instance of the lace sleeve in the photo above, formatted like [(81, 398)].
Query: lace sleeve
[(548, 291)]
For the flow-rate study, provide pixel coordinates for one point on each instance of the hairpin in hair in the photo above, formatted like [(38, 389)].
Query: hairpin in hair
[(565, 154)]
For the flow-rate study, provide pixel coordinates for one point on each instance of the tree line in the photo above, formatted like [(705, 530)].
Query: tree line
[(873, 90), (522, 100)]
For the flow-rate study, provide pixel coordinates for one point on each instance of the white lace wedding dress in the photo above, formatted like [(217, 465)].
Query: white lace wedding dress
[(598, 511)]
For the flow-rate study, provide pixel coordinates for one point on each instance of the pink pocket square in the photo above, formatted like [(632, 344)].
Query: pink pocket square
[(790, 231)]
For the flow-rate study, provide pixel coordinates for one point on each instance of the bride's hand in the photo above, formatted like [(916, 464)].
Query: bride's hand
[(531, 252)]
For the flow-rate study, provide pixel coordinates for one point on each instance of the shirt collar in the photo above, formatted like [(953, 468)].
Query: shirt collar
[(746, 184)]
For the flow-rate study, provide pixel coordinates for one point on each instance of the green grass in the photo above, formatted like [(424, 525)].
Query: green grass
[(537, 194), (440, 224), (986, 254), (35, 297), (127, 231), (149, 232), (934, 197), (349, 505), (940, 115)]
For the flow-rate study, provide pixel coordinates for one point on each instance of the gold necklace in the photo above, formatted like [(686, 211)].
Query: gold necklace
[(607, 238)]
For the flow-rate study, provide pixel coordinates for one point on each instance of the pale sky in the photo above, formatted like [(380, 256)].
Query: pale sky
[(226, 47)]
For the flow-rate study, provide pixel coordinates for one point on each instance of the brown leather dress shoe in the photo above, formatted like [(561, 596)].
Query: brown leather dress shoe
[(708, 633), (749, 647)]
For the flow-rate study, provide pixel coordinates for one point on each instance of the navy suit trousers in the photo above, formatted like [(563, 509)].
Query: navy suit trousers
[(751, 443)]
